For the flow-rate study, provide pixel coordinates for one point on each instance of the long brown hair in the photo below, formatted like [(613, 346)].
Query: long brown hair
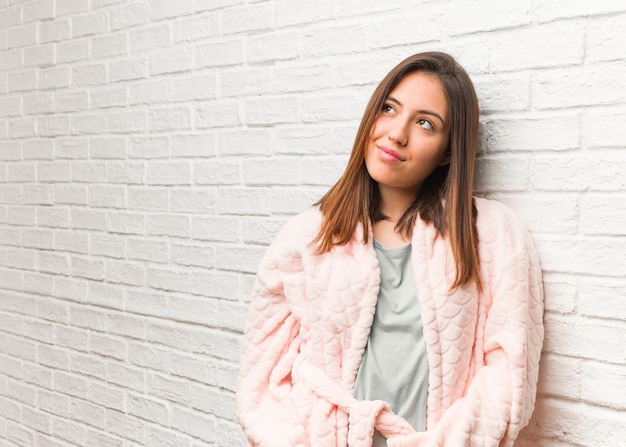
[(445, 197)]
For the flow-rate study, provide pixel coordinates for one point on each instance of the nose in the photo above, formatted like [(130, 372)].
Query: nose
[(399, 133)]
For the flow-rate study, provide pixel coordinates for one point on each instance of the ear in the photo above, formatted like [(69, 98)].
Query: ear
[(446, 159)]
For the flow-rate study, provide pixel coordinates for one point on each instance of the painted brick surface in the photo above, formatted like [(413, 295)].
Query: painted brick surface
[(151, 150)]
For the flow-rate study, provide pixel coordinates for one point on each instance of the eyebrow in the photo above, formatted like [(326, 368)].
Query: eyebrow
[(420, 111)]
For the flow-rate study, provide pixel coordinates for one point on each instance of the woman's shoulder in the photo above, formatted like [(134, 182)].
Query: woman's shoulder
[(496, 221), (300, 228)]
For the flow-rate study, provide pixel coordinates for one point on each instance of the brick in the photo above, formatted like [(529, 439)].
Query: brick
[(580, 86), (218, 114), (124, 273), (151, 92), (502, 92), (245, 81), (275, 171), (127, 121), (125, 223), (109, 296), (565, 336), (125, 426), (161, 9), (601, 384), (598, 130), (106, 396), (158, 436), (148, 199), (73, 148), (70, 194), (244, 142), (22, 81), (11, 106), (278, 46), (174, 60), (220, 53), (305, 11), (267, 110), (216, 228), (149, 147), (559, 419), (556, 44), (38, 10), (39, 56), (22, 36), (193, 255), (333, 40), (239, 201), (247, 18), (66, 7), (74, 289), (220, 284), (168, 225), (107, 346), (591, 174), (71, 102), (193, 87), (303, 140), (89, 75), (149, 38), (54, 31), (196, 27), (193, 423), (54, 78), (54, 403), (192, 145), (129, 15), (602, 298), (294, 200), (70, 384), (125, 325), (34, 238), (72, 51), (147, 250), (125, 172), (404, 28), (148, 409), (239, 259), (125, 376), (50, 356), (90, 24), (302, 78), (167, 119), (167, 279), (87, 365), (87, 413), (192, 201), (128, 69), (73, 338), (69, 431), (108, 97), (549, 10)]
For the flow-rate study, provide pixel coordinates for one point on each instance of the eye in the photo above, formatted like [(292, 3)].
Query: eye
[(425, 124), (388, 108)]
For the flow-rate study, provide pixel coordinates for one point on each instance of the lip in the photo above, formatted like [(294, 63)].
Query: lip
[(388, 154)]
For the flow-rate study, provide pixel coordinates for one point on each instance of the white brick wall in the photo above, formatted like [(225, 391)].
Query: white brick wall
[(151, 149)]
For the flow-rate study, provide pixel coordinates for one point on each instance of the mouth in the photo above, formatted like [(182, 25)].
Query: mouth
[(389, 154)]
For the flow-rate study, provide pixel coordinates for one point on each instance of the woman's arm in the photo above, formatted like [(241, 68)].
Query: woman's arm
[(264, 406), (500, 399)]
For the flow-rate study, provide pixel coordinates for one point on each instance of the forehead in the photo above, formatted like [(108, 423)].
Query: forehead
[(419, 90)]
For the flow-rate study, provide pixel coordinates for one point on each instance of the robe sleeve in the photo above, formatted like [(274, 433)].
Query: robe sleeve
[(499, 400), (264, 406)]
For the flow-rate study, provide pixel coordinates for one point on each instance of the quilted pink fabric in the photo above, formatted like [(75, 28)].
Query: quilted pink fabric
[(309, 322)]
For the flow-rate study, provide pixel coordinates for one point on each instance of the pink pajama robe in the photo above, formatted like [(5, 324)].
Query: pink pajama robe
[(309, 322)]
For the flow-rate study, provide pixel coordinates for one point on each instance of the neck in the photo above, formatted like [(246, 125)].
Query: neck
[(395, 201)]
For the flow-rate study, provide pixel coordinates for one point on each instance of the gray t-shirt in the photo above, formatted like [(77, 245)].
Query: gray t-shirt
[(394, 367)]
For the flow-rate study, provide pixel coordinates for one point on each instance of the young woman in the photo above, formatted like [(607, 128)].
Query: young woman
[(399, 310)]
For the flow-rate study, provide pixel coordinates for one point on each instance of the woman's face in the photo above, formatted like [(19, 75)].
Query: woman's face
[(410, 136)]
